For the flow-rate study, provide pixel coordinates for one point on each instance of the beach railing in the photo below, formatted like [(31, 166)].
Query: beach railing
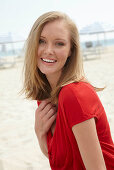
[(10, 53)]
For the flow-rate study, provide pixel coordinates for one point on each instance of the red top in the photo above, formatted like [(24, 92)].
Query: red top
[(77, 102)]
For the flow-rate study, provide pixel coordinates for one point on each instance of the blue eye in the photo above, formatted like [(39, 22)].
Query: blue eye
[(60, 44), (41, 41)]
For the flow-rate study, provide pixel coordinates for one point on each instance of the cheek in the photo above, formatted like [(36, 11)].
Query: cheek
[(63, 54), (39, 52)]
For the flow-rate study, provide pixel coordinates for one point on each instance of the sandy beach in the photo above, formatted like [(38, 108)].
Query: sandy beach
[(19, 149)]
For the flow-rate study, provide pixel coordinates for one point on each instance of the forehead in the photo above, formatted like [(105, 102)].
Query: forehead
[(57, 28)]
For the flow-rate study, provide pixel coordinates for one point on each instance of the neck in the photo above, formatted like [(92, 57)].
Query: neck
[(53, 79)]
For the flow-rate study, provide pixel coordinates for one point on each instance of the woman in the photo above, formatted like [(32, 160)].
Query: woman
[(70, 122)]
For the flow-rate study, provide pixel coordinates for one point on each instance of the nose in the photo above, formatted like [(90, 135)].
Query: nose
[(49, 49)]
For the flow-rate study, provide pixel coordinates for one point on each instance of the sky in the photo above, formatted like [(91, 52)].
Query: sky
[(18, 16)]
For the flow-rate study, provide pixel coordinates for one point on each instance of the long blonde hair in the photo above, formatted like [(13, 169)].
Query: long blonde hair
[(36, 85)]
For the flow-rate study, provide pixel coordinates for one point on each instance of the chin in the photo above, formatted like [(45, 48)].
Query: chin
[(46, 72)]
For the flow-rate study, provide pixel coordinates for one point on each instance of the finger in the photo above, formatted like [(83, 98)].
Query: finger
[(51, 112), (47, 108), (43, 104), (44, 111), (51, 120)]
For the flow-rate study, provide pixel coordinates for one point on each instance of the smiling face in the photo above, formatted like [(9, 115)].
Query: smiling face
[(54, 48)]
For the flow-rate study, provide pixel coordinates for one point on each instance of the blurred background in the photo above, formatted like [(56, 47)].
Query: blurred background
[(19, 149)]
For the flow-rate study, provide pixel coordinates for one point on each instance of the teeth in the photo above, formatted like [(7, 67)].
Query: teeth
[(48, 61)]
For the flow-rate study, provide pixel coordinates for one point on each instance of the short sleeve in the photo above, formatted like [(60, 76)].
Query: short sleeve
[(79, 102)]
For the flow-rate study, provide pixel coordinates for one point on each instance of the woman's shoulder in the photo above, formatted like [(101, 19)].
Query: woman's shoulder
[(77, 87), (78, 90)]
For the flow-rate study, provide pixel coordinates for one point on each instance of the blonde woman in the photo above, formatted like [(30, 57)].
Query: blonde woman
[(70, 122)]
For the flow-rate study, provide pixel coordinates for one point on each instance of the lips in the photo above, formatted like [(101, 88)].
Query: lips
[(48, 60)]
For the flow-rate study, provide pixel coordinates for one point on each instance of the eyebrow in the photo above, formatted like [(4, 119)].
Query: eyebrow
[(58, 39)]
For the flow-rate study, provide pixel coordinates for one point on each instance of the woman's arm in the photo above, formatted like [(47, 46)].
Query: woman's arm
[(89, 146), (43, 144), (45, 115)]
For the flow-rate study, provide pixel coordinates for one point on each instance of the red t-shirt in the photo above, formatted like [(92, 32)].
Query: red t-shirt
[(77, 102)]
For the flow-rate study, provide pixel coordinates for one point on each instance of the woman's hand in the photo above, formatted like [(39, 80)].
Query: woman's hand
[(45, 115)]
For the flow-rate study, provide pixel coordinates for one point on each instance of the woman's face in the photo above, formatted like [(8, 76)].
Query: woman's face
[(54, 48)]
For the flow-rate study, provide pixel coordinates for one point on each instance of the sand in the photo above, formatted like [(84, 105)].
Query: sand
[(19, 149)]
